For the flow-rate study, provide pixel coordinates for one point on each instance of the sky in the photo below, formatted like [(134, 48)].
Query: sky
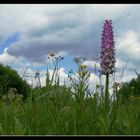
[(29, 32)]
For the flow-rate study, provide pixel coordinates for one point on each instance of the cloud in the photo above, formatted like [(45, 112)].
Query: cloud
[(6, 59), (75, 29), (19, 64), (93, 81), (9, 41), (128, 45), (93, 66), (128, 50), (69, 30), (127, 56)]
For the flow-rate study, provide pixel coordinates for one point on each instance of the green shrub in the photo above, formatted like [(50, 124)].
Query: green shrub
[(9, 78)]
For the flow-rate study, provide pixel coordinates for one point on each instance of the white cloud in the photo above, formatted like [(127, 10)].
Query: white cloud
[(127, 50), (125, 77), (119, 63), (55, 27), (6, 59), (93, 81), (90, 63), (128, 46)]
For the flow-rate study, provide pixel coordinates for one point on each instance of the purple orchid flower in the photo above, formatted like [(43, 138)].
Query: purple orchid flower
[(107, 49)]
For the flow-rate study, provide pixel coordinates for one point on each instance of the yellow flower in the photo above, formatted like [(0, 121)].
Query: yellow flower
[(83, 66)]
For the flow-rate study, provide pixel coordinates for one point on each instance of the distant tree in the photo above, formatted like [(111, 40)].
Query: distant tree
[(9, 78), (129, 89), (136, 85)]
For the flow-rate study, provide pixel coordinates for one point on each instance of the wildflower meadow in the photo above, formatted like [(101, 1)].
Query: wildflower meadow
[(71, 108)]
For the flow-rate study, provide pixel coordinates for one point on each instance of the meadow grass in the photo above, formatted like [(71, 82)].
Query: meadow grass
[(59, 117), (63, 110)]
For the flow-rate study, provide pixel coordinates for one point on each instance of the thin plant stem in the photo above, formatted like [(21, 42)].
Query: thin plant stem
[(106, 90)]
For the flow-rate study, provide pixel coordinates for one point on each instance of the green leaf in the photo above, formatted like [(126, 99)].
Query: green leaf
[(1, 130), (136, 126), (103, 126), (19, 130), (121, 131)]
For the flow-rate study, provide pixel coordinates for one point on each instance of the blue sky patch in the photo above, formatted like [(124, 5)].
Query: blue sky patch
[(9, 41)]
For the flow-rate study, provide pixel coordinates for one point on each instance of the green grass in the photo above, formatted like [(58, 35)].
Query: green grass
[(56, 117), (52, 110)]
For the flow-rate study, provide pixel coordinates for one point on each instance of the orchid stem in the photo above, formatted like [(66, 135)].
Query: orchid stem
[(106, 90)]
